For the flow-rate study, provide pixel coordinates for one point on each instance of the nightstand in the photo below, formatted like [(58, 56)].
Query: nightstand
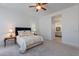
[(9, 38), (35, 34)]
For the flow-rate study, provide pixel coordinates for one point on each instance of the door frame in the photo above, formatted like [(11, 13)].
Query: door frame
[(53, 26)]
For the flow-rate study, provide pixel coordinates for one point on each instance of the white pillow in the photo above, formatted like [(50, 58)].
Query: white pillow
[(20, 33), (24, 33), (28, 33)]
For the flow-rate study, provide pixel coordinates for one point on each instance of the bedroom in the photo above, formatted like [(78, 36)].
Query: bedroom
[(14, 15)]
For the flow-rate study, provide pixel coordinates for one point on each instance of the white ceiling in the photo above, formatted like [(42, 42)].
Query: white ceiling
[(24, 9)]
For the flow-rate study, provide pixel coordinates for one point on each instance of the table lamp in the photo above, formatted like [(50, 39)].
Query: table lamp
[(11, 32)]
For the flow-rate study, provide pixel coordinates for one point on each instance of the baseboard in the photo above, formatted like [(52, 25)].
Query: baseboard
[(70, 44)]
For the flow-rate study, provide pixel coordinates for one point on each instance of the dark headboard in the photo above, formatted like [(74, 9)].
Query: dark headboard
[(21, 29)]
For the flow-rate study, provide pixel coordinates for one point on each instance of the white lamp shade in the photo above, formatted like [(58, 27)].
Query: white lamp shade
[(34, 29), (10, 30)]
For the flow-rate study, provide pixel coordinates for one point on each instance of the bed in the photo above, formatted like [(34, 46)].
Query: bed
[(27, 41)]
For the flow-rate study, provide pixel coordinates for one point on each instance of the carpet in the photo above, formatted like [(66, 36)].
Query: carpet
[(48, 48)]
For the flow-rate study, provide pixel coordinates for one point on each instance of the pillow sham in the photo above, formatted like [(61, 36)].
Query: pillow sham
[(20, 33), (28, 33), (24, 33)]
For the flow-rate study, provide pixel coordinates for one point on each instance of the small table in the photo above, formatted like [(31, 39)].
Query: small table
[(9, 38)]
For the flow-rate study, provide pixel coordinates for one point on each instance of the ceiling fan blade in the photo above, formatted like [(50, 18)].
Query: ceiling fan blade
[(43, 8), (44, 3), (38, 3), (36, 10), (31, 6)]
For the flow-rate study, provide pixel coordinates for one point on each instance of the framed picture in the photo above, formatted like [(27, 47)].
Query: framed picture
[(58, 28)]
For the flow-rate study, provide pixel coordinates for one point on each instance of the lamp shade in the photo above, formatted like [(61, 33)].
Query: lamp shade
[(10, 30), (33, 27)]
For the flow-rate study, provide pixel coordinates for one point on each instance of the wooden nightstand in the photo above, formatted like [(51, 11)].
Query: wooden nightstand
[(35, 34), (9, 38)]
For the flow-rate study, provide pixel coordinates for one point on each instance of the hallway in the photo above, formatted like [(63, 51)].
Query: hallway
[(58, 39)]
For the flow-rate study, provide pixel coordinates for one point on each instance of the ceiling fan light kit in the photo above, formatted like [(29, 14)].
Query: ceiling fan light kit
[(38, 7)]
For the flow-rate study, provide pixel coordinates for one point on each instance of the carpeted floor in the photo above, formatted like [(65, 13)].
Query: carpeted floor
[(49, 48)]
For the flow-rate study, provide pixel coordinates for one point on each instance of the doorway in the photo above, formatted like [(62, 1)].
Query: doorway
[(57, 28)]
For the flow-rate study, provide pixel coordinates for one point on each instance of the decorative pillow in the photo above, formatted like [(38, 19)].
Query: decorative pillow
[(28, 33), (24, 33), (20, 33)]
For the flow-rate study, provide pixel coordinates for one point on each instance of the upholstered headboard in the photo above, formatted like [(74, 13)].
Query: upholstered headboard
[(21, 29)]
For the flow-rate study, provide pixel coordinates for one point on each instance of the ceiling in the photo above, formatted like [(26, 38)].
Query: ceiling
[(24, 9)]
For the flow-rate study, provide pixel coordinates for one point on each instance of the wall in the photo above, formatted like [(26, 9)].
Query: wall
[(44, 27), (10, 18), (70, 26), (70, 29)]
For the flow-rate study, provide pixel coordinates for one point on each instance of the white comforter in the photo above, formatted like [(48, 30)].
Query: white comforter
[(24, 41)]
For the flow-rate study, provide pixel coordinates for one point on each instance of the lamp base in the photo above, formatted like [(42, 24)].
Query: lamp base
[(10, 35)]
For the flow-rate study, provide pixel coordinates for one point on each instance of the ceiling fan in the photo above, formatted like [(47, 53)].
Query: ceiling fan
[(39, 6)]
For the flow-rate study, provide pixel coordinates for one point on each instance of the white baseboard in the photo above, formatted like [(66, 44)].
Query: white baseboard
[(71, 44)]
